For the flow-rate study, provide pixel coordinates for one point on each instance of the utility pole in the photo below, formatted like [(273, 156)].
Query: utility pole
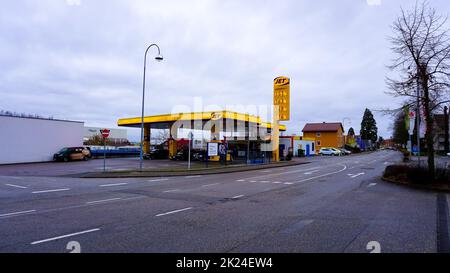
[(446, 134), (418, 116)]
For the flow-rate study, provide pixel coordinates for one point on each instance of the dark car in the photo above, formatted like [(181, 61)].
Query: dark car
[(72, 153), (157, 154)]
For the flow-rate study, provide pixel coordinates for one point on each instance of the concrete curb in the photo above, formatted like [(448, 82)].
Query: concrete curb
[(220, 170), (434, 187)]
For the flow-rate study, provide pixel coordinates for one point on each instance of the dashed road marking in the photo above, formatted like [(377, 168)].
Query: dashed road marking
[(209, 185), (47, 191), (158, 180), (17, 213), (168, 191), (288, 183), (371, 185), (16, 186), (103, 201), (64, 236), (113, 185), (193, 176), (238, 196), (240, 180), (172, 212), (355, 175)]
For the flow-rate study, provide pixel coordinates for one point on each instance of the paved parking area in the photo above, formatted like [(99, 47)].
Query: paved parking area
[(74, 167)]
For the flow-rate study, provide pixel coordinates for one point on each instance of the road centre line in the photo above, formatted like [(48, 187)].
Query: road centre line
[(47, 191), (16, 186), (112, 185), (16, 213), (172, 212), (103, 201), (64, 236)]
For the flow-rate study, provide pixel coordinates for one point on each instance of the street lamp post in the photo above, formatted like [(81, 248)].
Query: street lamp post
[(158, 58)]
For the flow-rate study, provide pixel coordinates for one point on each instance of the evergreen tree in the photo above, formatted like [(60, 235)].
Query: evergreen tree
[(400, 133), (351, 132), (369, 130)]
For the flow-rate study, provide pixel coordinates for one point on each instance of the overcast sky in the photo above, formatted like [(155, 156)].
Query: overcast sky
[(83, 60)]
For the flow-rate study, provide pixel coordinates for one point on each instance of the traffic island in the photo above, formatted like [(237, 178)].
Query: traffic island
[(182, 171), (417, 177)]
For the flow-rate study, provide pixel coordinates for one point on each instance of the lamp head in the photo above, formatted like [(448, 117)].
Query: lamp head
[(159, 58)]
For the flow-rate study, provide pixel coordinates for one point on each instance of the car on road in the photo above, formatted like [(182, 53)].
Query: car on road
[(72, 153), (157, 154), (345, 152)]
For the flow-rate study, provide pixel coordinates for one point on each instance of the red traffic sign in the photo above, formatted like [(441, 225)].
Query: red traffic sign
[(105, 132)]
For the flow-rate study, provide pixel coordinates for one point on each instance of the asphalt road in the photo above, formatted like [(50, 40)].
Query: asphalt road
[(333, 204)]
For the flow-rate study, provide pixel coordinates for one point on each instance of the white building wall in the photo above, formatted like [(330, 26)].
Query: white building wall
[(36, 140)]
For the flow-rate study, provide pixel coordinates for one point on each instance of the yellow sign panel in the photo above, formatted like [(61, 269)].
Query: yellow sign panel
[(281, 97)]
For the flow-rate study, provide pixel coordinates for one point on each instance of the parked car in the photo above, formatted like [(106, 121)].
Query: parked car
[(157, 154), (72, 153), (345, 152), (327, 151)]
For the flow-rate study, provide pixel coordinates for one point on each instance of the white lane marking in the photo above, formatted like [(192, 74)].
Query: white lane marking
[(323, 175), (209, 185), (302, 170), (371, 185), (311, 172), (288, 183), (46, 191), (102, 201), (252, 181), (193, 176), (158, 180), (15, 186), (265, 182), (238, 196), (64, 236), (17, 213), (171, 190), (172, 212), (356, 175), (265, 171), (112, 185), (240, 180)]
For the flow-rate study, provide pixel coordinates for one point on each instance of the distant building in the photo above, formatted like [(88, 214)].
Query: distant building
[(33, 139), (325, 134), (115, 135), (297, 143)]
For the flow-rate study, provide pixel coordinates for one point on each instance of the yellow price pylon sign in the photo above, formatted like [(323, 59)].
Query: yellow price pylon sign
[(282, 97)]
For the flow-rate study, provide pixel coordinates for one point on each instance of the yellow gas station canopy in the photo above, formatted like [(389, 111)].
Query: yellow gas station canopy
[(161, 121)]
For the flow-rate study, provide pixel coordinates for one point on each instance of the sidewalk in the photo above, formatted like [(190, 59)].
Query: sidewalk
[(182, 171)]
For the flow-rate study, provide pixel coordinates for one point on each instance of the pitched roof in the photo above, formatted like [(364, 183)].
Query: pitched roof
[(323, 127)]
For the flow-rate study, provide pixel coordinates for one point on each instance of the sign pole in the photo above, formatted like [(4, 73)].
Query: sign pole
[(105, 135), (104, 154), (189, 154)]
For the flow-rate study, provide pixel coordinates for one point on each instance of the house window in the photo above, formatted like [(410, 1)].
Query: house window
[(318, 135)]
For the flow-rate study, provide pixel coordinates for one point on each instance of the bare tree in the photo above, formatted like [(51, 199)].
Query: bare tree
[(422, 45)]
